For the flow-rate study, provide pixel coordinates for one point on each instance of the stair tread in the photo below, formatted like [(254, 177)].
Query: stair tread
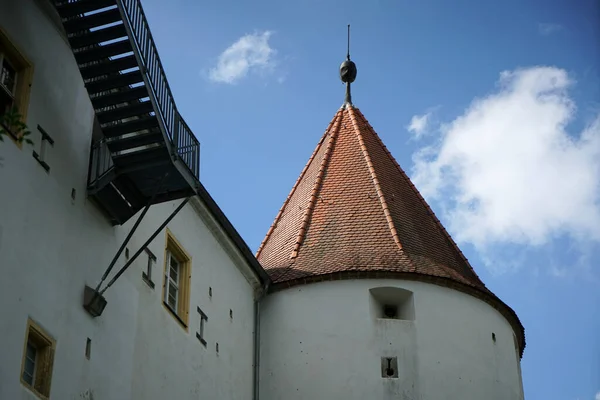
[(128, 94), (107, 67), (71, 9), (140, 157), (104, 51), (131, 110), (99, 36), (141, 139), (131, 126), (113, 82), (92, 21)]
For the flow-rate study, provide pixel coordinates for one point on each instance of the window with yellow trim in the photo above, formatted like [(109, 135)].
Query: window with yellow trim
[(177, 276), (38, 360), (15, 80)]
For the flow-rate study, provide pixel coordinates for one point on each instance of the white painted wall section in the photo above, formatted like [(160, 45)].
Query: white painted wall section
[(51, 246), (324, 341)]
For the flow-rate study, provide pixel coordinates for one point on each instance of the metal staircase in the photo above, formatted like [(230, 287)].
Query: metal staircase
[(146, 153)]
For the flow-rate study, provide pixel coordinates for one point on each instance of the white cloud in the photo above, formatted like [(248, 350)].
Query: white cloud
[(597, 396), (250, 52), (547, 29), (507, 171), (418, 124)]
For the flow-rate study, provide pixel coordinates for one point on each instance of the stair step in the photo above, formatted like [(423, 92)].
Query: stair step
[(131, 126), (99, 36), (113, 82), (103, 52), (141, 157), (71, 9), (140, 139), (132, 110), (128, 94), (92, 21), (107, 67)]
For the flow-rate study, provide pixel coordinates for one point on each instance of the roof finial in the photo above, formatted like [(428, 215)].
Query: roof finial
[(348, 72), (348, 54)]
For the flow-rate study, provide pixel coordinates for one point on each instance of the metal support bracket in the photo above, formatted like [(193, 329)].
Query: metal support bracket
[(91, 299)]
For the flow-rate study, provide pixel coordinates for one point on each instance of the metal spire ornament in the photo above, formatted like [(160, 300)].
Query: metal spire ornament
[(348, 73)]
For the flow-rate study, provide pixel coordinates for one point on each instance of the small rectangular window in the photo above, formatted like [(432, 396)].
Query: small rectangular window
[(177, 277), (38, 360)]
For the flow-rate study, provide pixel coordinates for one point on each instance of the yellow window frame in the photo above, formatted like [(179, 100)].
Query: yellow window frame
[(45, 346), (24, 69), (173, 246)]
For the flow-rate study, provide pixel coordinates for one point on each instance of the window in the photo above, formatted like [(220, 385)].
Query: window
[(200, 333), (173, 270), (38, 359), (8, 83), (15, 79), (147, 276), (392, 303), (176, 287)]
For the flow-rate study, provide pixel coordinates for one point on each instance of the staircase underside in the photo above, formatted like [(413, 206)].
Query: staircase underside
[(146, 153)]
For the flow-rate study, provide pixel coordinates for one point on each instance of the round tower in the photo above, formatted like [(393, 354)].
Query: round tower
[(371, 298)]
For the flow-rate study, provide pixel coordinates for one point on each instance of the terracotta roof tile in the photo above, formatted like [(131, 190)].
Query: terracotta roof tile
[(353, 209)]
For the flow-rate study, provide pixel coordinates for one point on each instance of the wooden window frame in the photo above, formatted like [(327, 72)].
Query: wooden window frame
[(174, 249), (45, 347), (24, 77)]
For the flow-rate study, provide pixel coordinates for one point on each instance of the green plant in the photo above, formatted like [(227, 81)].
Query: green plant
[(11, 124)]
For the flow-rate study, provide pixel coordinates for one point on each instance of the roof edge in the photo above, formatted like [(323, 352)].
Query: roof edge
[(488, 297), (216, 212), (422, 199)]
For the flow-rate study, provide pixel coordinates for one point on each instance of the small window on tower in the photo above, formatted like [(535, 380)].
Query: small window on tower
[(392, 303)]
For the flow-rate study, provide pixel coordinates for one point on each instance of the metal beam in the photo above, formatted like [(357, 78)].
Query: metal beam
[(132, 231), (141, 249)]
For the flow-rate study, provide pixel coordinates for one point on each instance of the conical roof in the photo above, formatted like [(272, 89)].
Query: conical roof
[(354, 213)]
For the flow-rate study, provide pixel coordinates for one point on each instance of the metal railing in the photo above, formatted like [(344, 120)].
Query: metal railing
[(101, 161), (179, 133)]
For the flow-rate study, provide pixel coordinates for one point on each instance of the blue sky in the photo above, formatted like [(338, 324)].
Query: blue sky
[(492, 107)]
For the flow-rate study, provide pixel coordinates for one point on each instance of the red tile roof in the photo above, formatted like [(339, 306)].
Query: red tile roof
[(353, 212)]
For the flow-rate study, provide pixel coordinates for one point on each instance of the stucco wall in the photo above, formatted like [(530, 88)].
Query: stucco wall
[(323, 341), (51, 246)]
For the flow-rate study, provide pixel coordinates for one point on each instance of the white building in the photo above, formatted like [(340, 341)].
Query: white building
[(363, 293)]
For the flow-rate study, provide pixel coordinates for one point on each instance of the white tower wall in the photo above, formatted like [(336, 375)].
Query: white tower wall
[(325, 341)]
